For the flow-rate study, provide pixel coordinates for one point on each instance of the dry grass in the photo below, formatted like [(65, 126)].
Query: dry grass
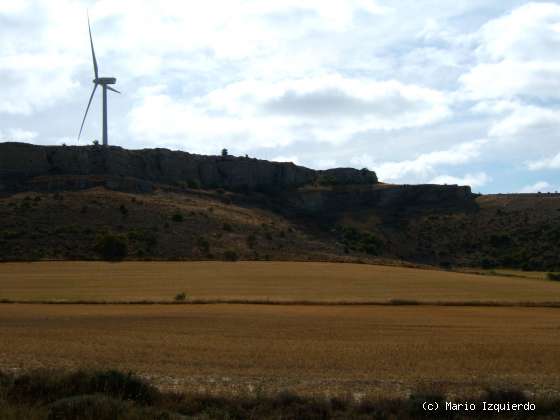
[(261, 281), (309, 349)]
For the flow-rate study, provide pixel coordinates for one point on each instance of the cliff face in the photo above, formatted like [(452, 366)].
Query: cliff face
[(382, 197), (22, 163), (296, 189)]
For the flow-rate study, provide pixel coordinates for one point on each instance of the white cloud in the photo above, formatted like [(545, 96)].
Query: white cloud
[(475, 180), (404, 84), (540, 186), (525, 120), (18, 134), (546, 163), (425, 165), (32, 81), (519, 54), (293, 159), (330, 108)]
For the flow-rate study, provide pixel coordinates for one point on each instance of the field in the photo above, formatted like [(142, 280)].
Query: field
[(308, 349), (326, 349), (261, 281)]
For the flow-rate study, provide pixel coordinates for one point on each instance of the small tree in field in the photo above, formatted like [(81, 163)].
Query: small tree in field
[(224, 152)]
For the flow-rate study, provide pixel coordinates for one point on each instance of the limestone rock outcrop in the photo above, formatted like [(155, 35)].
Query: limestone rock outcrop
[(21, 162)]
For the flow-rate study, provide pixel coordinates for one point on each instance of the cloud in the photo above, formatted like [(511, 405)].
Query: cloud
[(18, 134), (519, 54), (540, 186), (527, 120), (546, 163), (34, 81), (403, 87), (426, 164), (293, 159), (475, 180), (330, 108)]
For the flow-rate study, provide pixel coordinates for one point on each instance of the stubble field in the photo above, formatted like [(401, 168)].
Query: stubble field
[(261, 281), (332, 349)]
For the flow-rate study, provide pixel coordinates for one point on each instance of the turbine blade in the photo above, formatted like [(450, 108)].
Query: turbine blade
[(92, 50), (114, 90), (87, 109)]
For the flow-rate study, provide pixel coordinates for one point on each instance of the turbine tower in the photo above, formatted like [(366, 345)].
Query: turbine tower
[(104, 82)]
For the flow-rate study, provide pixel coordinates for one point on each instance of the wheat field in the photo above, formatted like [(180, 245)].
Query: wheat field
[(260, 281), (309, 349), (333, 349)]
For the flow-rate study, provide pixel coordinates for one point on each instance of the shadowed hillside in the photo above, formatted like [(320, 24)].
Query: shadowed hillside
[(72, 202)]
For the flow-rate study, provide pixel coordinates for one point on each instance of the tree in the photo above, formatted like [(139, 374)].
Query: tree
[(95, 142), (112, 247), (224, 152)]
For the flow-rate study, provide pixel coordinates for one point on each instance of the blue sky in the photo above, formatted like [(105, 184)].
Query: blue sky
[(463, 92)]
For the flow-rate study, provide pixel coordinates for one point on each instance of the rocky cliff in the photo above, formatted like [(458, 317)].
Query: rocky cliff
[(296, 189), (24, 165)]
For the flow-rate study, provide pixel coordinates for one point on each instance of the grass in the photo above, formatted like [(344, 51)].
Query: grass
[(232, 349), (106, 394), (267, 282)]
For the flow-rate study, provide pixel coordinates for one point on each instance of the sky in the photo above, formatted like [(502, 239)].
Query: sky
[(420, 91)]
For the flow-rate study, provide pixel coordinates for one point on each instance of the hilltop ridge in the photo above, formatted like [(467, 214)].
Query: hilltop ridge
[(20, 162), (56, 201)]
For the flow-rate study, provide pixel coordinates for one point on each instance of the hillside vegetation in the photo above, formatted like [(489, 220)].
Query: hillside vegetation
[(517, 231)]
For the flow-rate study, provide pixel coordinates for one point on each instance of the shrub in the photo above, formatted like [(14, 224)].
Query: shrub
[(445, 265), (203, 244), (88, 407), (45, 386), (123, 210), (177, 217), (251, 240), (145, 236), (361, 241), (231, 255), (194, 184), (553, 276), (180, 297), (11, 234), (227, 227), (112, 247)]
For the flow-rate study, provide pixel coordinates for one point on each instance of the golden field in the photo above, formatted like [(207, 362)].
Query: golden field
[(261, 281), (317, 348), (309, 349)]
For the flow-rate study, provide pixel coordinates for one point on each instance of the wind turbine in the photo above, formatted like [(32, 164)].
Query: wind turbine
[(104, 82)]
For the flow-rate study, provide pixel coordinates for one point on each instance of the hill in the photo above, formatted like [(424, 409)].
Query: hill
[(58, 202)]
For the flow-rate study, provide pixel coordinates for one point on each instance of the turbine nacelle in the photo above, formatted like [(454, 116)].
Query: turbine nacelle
[(105, 81)]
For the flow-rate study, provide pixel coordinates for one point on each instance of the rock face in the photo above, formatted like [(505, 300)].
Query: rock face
[(296, 189), (21, 163), (391, 200)]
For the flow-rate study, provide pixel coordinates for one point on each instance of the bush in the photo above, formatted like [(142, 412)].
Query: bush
[(203, 244), (177, 217), (46, 386), (553, 276), (251, 240), (88, 407), (123, 210), (145, 236), (231, 255), (227, 227), (112, 247), (361, 241), (180, 297), (193, 184)]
